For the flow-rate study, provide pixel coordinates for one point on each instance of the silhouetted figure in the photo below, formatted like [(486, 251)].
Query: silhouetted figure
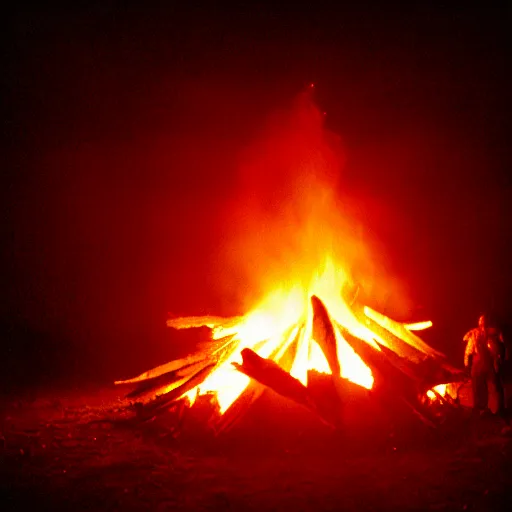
[(484, 356)]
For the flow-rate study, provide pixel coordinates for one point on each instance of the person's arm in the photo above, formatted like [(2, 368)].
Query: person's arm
[(468, 337), (468, 353)]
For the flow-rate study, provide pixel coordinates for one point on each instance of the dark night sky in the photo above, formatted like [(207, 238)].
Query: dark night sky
[(123, 128)]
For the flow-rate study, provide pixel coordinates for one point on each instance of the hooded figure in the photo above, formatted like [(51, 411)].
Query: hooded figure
[(484, 355)]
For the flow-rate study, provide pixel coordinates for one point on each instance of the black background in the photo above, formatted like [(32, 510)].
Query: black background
[(122, 128)]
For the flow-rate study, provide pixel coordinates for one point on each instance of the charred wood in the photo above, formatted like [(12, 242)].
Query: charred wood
[(255, 389), (391, 383), (271, 375), (164, 401), (324, 335)]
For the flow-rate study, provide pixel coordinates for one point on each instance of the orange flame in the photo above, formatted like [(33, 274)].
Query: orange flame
[(287, 237), (440, 389), (274, 325)]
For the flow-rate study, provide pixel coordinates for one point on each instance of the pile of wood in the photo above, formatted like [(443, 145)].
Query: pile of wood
[(399, 380)]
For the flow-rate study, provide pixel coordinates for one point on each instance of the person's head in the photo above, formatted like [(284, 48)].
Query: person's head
[(482, 322)]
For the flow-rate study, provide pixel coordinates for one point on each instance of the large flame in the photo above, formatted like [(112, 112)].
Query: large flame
[(289, 238), (273, 325)]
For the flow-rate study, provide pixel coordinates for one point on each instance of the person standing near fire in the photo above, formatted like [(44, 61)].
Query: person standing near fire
[(484, 357)]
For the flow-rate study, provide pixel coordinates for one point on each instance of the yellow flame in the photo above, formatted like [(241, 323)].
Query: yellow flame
[(441, 390), (269, 330)]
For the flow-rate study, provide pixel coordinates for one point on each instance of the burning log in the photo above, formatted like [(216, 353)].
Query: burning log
[(391, 382), (428, 370), (165, 369), (271, 375), (190, 322), (285, 356), (176, 374), (401, 363), (387, 338), (385, 373), (323, 334), (165, 400), (427, 373), (166, 382), (424, 386), (400, 331)]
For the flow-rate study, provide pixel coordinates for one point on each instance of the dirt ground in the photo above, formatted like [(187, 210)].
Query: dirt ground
[(56, 455)]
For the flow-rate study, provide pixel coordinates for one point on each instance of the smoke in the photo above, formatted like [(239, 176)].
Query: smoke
[(288, 213)]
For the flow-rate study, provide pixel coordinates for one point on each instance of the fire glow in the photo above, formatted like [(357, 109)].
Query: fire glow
[(283, 324), (285, 316), (307, 315)]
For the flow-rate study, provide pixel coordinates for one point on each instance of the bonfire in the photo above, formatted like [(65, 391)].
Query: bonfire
[(311, 318), (291, 333)]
